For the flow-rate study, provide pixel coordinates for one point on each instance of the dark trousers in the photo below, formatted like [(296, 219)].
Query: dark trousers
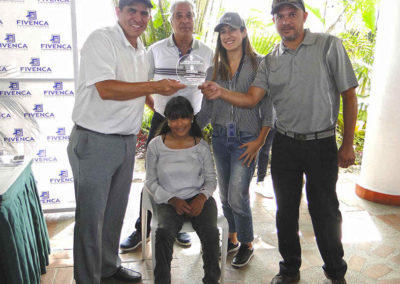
[(263, 156), (156, 122), (317, 159), (205, 225)]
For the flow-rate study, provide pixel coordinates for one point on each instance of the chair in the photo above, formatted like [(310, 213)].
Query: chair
[(147, 205)]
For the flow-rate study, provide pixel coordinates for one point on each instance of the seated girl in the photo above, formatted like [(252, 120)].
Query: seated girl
[(181, 178)]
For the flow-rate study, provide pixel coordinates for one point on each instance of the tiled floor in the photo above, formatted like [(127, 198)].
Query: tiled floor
[(371, 238)]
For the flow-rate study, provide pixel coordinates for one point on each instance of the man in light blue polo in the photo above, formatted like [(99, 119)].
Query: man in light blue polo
[(305, 76), (163, 57)]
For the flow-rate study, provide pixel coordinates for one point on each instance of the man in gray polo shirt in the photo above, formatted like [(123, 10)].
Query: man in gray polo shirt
[(305, 76)]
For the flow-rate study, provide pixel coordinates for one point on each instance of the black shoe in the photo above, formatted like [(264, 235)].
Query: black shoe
[(335, 281), (243, 256), (338, 281), (127, 275), (183, 239), (132, 242), (232, 247), (285, 279)]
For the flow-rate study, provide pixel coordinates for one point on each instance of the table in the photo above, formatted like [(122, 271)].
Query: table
[(24, 241)]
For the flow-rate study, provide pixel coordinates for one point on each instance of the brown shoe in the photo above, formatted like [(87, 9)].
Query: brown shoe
[(285, 279)]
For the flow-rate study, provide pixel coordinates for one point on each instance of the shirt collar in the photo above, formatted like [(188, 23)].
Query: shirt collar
[(309, 39), (124, 40), (171, 43)]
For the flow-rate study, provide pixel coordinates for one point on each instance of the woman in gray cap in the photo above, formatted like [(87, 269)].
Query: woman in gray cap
[(238, 133)]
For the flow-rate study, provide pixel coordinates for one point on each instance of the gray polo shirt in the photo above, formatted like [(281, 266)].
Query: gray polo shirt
[(305, 84), (221, 112)]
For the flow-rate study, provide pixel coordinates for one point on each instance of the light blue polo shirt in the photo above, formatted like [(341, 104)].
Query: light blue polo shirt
[(163, 57), (305, 84)]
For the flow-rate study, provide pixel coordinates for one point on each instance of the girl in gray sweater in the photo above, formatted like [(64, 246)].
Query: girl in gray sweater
[(180, 176)]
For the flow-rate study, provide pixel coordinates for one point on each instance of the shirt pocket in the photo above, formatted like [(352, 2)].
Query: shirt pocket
[(279, 73)]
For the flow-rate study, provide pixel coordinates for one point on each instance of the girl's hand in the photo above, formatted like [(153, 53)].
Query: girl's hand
[(197, 205), (180, 205)]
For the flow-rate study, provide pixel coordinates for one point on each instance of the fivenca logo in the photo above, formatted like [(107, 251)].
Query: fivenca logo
[(58, 90), (39, 113), (32, 21), (11, 43), (62, 178), (14, 91), (56, 44)]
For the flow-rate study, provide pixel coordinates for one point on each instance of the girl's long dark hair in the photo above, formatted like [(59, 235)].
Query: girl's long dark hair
[(221, 62), (179, 107)]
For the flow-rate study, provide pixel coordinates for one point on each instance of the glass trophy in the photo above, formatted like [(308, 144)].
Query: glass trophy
[(191, 70)]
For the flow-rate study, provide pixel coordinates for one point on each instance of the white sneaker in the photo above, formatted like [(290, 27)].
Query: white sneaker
[(263, 190)]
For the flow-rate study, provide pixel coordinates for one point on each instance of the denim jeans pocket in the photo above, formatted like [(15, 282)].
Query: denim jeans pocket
[(245, 137), (218, 131)]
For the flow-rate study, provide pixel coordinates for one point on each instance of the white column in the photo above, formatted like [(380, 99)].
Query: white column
[(380, 172)]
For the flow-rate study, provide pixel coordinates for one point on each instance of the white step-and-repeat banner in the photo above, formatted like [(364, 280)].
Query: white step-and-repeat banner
[(39, 53)]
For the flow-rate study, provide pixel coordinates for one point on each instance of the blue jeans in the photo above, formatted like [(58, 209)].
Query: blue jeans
[(234, 181)]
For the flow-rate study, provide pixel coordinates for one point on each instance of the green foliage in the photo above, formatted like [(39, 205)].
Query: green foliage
[(359, 42), (360, 47), (262, 40), (366, 8), (207, 133), (316, 12), (264, 44), (159, 26), (201, 9), (147, 117), (158, 29)]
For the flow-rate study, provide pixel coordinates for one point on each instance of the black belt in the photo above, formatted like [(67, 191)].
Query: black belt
[(78, 127), (308, 136)]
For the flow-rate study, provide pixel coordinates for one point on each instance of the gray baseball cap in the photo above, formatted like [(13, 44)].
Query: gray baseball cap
[(278, 3), (123, 3), (231, 19)]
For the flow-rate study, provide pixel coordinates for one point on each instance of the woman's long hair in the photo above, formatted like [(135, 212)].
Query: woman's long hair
[(179, 107), (221, 63)]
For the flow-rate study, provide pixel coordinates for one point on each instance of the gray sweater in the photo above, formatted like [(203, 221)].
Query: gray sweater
[(181, 173)]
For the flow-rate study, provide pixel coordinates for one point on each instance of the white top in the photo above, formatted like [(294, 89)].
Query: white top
[(8, 175), (181, 173), (163, 57), (108, 55)]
